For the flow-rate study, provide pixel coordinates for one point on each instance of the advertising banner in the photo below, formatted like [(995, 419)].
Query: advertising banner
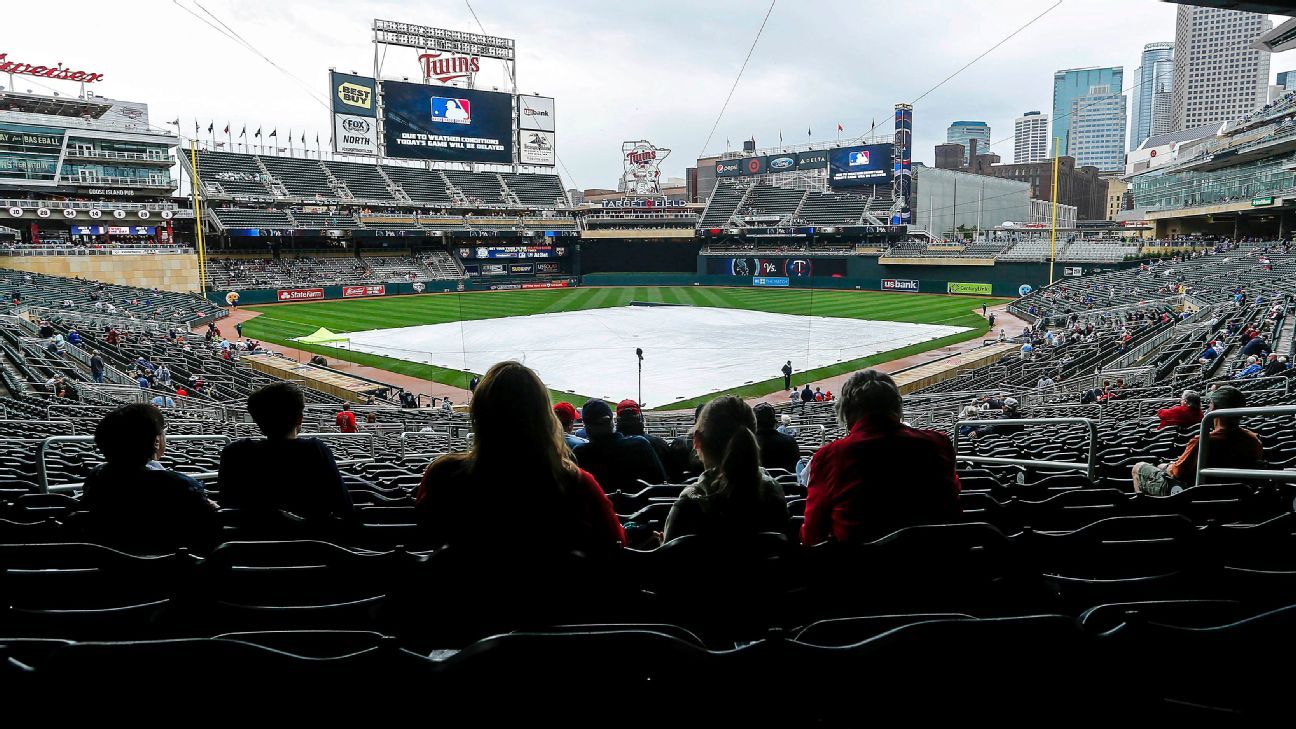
[(753, 166), (977, 289), (444, 123), (355, 134), (300, 294), (1073, 271), (729, 168), (516, 268), (547, 285), (537, 148), (536, 113), (355, 111), (812, 160), (777, 267), (771, 281), (868, 164), (780, 163), (351, 292), (548, 268), (494, 269), (899, 284)]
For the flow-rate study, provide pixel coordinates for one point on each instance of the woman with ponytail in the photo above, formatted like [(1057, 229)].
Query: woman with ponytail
[(733, 496)]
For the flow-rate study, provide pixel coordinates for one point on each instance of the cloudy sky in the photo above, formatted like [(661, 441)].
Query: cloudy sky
[(619, 71)]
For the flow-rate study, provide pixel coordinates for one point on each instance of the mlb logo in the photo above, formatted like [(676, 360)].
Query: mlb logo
[(451, 111), (858, 158)]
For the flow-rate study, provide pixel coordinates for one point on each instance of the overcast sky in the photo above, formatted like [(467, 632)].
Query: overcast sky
[(618, 70)]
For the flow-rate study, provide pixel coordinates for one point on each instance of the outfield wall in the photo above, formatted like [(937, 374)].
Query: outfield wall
[(166, 271), (248, 297)]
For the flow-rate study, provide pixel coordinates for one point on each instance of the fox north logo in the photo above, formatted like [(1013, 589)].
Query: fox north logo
[(451, 111), (359, 126)]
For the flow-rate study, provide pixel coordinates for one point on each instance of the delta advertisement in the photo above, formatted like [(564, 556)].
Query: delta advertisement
[(299, 294), (446, 123), (355, 113), (351, 292), (868, 164), (976, 289), (899, 284)]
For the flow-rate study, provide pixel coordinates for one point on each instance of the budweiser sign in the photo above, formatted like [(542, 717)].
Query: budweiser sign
[(300, 294), (446, 68), (55, 72), (351, 292)]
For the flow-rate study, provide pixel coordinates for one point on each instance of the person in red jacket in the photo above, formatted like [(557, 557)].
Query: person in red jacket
[(1187, 413), (518, 483), (346, 422), (883, 475)]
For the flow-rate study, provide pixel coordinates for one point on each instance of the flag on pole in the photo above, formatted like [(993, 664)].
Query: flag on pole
[(176, 122), (258, 133), (840, 128), (303, 138), (243, 134), (227, 128), (275, 133), (211, 126), (808, 134), (196, 129), (780, 136)]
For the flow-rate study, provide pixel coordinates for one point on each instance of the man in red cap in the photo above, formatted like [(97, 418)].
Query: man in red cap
[(566, 414), (630, 422)]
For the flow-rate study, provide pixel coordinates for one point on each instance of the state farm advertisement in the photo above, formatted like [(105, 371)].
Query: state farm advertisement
[(300, 294), (351, 292)]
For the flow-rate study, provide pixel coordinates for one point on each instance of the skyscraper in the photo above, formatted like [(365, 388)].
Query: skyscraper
[(963, 132), (1218, 76), (1069, 85), (1287, 80), (1097, 132), (1030, 137), (1152, 98)]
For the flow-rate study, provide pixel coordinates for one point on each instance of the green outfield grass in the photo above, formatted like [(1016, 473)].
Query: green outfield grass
[(279, 323)]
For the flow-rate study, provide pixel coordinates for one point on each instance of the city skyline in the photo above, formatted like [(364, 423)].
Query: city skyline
[(669, 91)]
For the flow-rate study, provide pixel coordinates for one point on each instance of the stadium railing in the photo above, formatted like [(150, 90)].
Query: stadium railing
[(1087, 467), (87, 205), (1238, 474)]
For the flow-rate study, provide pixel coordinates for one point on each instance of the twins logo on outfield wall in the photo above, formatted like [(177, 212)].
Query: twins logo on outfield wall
[(1024, 289), (419, 287)]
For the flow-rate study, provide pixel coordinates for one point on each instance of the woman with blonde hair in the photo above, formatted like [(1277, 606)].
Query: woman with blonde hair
[(518, 482), (733, 496)]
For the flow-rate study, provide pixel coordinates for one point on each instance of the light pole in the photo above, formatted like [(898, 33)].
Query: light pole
[(639, 354)]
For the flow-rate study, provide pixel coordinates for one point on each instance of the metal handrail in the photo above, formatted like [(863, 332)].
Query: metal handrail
[(1088, 467), (42, 474), (368, 436), (1243, 474)]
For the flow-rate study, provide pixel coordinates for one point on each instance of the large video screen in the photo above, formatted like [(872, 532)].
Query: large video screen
[(868, 164), (446, 123), (780, 267)]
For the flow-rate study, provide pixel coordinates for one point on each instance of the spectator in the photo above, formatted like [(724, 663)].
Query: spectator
[(1232, 446), (1255, 346), (807, 395), (1253, 368), (1009, 411), (133, 497), (1274, 366), (617, 461), (818, 395), (346, 422), (74, 337), (447, 405), (777, 450), (46, 329), (162, 375), (142, 381), (473, 383), (96, 367), (566, 414), (1210, 353), (163, 400), (630, 421), (1187, 413), (181, 391), (733, 496), (785, 426), (282, 473), (683, 459), (787, 375), (883, 475), (517, 483)]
